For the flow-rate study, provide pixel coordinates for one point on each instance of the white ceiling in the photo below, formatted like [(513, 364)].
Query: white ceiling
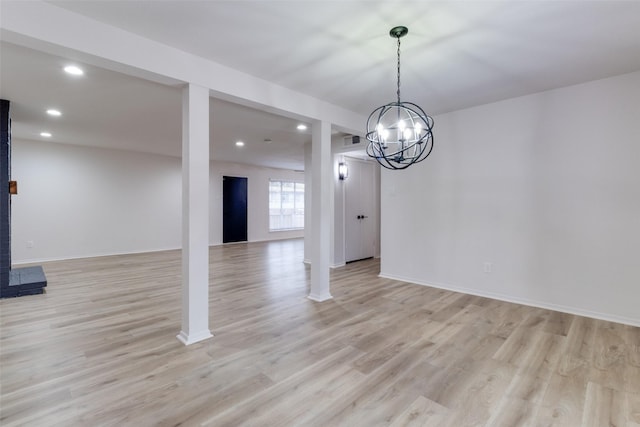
[(458, 54), (108, 109)]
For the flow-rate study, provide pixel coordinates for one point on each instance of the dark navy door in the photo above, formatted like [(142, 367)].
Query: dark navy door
[(234, 209)]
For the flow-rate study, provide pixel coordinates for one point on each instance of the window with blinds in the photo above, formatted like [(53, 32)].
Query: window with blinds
[(286, 205)]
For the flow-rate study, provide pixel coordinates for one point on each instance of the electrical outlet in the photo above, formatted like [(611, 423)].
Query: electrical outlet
[(488, 267), (29, 244)]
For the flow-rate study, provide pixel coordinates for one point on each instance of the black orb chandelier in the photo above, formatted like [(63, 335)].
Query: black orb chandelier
[(399, 133)]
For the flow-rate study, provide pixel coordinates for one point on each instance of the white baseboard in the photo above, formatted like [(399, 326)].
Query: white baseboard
[(523, 301), (142, 251), (188, 339), (94, 255), (308, 262), (320, 298)]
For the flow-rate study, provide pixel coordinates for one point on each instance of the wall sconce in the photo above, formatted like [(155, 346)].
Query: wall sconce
[(343, 171)]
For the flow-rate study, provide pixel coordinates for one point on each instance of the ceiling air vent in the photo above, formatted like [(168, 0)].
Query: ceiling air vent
[(351, 139)]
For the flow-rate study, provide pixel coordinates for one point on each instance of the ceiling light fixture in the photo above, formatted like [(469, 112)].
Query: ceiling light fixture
[(239, 144), (74, 70), (54, 113), (399, 133), (45, 134), (301, 126)]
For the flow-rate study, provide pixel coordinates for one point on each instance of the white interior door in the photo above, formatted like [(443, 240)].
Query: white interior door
[(359, 211)]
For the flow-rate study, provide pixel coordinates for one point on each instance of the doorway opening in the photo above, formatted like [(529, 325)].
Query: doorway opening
[(234, 209), (360, 211)]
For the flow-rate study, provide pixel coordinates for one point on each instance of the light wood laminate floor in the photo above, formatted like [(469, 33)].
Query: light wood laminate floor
[(99, 348)]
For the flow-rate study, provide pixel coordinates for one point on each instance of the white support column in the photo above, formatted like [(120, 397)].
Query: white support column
[(195, 215), (308, 206), (321, 183)]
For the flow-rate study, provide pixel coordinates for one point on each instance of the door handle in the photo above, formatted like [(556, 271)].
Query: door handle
[(364, 216), (359, 217)]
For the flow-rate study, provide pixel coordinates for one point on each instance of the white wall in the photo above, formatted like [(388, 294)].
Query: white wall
[(545, 187), (338, 246), (81, 202)]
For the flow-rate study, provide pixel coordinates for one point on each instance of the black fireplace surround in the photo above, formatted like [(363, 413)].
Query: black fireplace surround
[(19, 281)]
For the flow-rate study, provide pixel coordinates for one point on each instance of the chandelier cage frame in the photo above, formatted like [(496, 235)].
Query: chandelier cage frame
[(399, 133)]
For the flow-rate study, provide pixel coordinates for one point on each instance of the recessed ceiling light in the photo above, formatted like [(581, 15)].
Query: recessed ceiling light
[(302, 126), (74, 70), (53, 112), (239, 144), (45, 134)]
